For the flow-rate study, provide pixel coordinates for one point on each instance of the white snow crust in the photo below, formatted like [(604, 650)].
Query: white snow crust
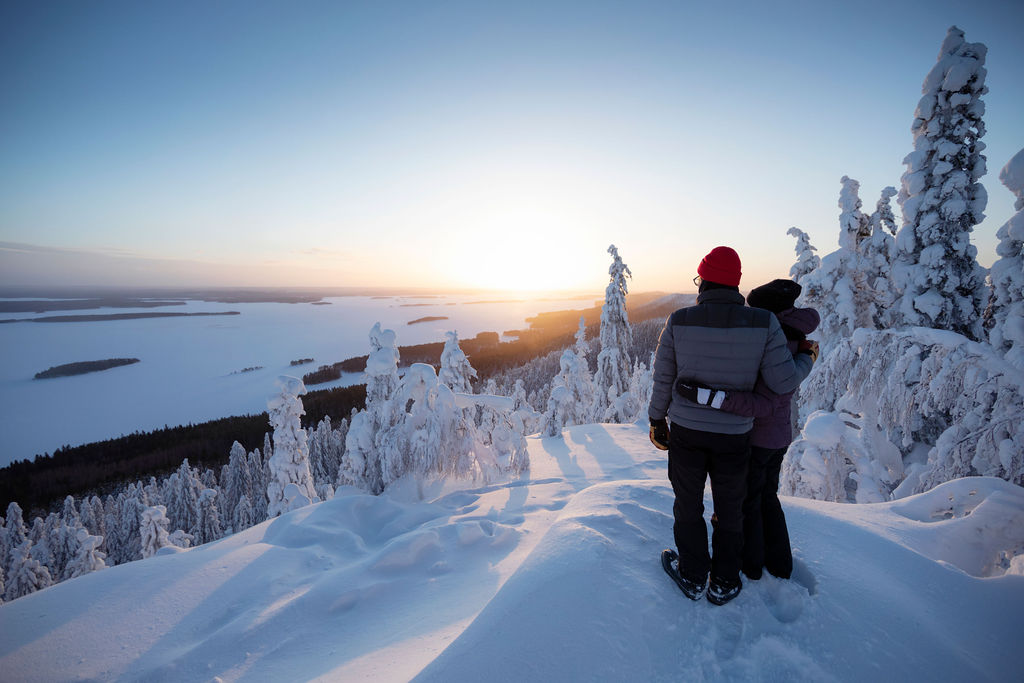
[(552, 576)]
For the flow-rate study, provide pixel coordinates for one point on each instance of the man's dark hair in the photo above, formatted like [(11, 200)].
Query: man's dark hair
[(705, 285)]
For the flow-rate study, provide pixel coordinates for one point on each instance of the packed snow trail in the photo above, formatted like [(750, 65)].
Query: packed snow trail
[(555, 576)]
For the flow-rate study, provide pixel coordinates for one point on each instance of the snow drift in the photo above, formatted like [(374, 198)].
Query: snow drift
[(551, 576)]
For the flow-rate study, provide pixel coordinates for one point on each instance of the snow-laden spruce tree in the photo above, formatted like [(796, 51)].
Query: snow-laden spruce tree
[(25, 575), (243, 516), (14, 533), (582, 346), (940, 282), (614, 362), (876, 254), (806, 260), (918, 390), (153, 530), (532, 419), (236, 479), (572, 395), (89, 557), (361, 466), (290, 463), (326, 449), (64, 539), (1004, 315), (210, 527), (456, 372), (181, 491), (40, 537), (434, 437), (838, 288)]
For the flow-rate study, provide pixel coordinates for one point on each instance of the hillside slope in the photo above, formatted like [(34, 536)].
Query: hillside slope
[(552, 577)]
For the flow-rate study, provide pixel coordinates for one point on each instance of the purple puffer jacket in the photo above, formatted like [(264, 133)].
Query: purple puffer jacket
[(771, 411)]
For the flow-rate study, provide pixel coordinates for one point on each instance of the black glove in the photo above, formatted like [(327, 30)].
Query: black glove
[(659, 434), (700, 395)]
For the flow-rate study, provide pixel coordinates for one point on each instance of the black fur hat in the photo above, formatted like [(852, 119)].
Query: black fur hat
[(777, 295)]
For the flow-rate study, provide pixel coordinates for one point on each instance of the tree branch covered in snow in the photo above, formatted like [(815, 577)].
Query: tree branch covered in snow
[(936, 270), (904, 390), (1004, 315)]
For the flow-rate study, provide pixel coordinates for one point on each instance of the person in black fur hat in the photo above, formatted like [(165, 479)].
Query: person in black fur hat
[(765, 535)]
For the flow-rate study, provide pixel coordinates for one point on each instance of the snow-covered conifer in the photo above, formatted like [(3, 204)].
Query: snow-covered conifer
[(210, 526), (572, 395), (25, 575), (128, 507), (243, 514), (290, 462), (935, 270), (88, 558), (40, 537), (181, 539), (806, 260), (153, 530), (533, 420), (14, 533), (582, 346), (876, 255), (455, 372), (236, 478), (1004, 315), (361, 465), (260, 480), (614, 363), (182, 490)]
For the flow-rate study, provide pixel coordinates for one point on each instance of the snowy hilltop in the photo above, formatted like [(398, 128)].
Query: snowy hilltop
[(553, 575)]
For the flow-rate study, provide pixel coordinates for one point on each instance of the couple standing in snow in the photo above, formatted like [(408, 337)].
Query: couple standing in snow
[(724, 374)]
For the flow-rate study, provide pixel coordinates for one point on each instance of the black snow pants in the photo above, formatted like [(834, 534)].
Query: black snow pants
[(692, 457), (766, 538)]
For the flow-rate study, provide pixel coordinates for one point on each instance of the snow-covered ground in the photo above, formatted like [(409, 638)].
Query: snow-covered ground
[(552, 577)]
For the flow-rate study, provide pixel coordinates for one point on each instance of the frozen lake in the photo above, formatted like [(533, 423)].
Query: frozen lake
[(189, 369)]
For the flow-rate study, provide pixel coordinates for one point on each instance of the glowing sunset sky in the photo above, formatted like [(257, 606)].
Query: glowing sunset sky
[(461, 144)]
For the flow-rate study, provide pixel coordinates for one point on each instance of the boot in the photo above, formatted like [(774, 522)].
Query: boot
[(721, 591)]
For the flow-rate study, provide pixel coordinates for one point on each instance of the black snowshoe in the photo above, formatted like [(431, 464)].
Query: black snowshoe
[(721, 591), (670, 563)]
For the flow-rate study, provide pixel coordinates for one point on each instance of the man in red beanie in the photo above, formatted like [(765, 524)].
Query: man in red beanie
[(723, 344)]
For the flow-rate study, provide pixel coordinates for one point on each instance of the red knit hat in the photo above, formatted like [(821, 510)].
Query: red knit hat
[(722, 265)]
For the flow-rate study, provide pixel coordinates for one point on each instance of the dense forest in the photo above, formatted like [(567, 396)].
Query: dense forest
[(40, 484)]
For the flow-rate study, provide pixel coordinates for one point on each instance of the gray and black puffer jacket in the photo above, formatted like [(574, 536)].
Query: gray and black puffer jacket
[(723, 344)]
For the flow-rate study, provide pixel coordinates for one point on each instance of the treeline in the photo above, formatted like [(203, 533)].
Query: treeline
[(40, 484), (417, 353), (547, 332)]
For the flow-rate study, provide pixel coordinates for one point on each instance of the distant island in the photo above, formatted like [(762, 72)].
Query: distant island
[(83, 367), (254, 368), (110, 316), (35, 306), (428, 319), (301, 361)]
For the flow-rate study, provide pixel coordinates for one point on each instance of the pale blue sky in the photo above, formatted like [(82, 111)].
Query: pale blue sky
[(461, 144)]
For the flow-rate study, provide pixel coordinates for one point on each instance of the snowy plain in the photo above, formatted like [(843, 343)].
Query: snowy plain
[(553, 576), (190, 366)]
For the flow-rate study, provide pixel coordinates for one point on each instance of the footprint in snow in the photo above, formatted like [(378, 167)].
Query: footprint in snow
[(783, 599), (729, 631), (802, 576)]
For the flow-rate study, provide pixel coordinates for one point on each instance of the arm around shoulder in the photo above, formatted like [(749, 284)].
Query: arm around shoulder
[(782, 372)]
